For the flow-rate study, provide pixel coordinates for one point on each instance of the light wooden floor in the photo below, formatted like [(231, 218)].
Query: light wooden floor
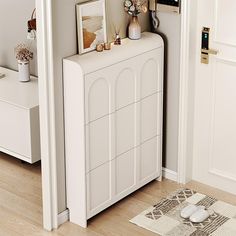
[(21, 205)]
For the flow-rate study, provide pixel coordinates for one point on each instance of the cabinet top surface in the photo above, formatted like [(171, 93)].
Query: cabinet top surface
[(17, 93), (94, 61)]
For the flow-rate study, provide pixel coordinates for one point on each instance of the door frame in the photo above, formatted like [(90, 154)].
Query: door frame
[(185, 137), (47, 113)]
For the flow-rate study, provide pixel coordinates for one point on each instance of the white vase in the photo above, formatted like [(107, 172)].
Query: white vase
[(134, 28), (23, 71)]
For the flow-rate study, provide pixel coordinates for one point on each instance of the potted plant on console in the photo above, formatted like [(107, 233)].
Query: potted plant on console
[(23, 56)]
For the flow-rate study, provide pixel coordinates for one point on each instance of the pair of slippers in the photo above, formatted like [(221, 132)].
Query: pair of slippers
[(195, 214)]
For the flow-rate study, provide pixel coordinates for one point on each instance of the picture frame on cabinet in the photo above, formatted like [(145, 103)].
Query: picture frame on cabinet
[(91, 25)]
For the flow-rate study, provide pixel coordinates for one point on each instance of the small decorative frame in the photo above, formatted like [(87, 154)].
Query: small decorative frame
[(91, 23)]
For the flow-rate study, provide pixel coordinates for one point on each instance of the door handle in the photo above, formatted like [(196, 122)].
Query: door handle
[(210, 51)]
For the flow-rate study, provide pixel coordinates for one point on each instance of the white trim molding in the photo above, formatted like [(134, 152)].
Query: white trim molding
[(170, 174), (183, 92), (47, 114), (63, 217)]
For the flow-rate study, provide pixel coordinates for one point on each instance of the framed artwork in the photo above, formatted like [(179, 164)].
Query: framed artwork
[(91, 23)]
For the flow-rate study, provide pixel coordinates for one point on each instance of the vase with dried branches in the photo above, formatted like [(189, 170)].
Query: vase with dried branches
[(23, 56), (134, 8)]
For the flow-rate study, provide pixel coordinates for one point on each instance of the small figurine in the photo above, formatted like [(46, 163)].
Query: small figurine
[(117, 39), (107, 46), (99, 47)]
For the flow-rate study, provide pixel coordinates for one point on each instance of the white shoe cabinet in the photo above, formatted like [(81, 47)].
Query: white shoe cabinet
[(113, 124)]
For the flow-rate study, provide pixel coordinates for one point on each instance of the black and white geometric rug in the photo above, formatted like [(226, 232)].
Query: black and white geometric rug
[(164, 218)]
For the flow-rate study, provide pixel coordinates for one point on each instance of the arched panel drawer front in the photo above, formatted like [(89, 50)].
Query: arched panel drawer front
[(151, 117), (150, 159), (151, 73), (125, 129), (97, 95), (98, 142), (98, 189), (125, 172), (125, 85)]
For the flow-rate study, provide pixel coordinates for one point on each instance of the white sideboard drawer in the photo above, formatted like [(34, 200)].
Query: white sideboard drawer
[(19, 134), (19, 119)]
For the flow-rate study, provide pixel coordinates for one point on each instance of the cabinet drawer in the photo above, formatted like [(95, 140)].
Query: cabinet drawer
[(150, 73), (151, 116), (98, 189), (98, 143), (15, 135), (150, 158), (125, 129), (125, 172)]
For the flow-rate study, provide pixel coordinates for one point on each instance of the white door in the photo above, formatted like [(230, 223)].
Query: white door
[(215, 98)]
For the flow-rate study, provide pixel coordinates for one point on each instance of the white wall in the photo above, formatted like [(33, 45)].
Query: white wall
[(170, 25), (13, 30)]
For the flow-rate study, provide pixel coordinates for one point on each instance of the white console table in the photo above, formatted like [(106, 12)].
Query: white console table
[(19, 117), (113, 124)]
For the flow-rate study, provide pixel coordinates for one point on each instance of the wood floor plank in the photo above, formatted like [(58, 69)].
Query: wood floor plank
[(69, 229)]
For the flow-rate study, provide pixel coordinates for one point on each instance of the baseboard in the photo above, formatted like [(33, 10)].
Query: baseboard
[(169, 174), (63, 217)]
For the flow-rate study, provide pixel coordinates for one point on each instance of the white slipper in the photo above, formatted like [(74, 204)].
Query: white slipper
[(199, 216), (190, 210)]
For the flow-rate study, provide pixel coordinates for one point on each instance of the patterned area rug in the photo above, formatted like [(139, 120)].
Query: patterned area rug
[(164, 218)]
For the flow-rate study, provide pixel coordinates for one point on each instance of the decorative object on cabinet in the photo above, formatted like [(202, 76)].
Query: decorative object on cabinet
[(107, 46), (134, 28), (23, 56), (134, 8), (91, 22), (100, 47), (113, 124), (117, 40), (19, 120), (116, 37)]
